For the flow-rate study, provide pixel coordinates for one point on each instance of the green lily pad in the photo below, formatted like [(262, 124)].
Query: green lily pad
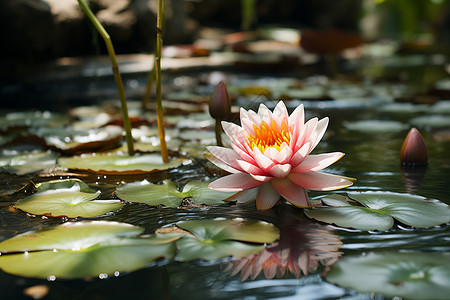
[(433, 121), (119, 164), (21, 164), (219, 238), (376, 126), (71, 198), (32, 118), (83, 249), (167, 193), (412, 275), (72, 141), (379, 209)]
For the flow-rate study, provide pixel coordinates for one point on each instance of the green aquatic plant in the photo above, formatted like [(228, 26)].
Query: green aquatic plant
[(68, 197), (158, 56), (168, 194), (115, 67), (410, 275), (119, 164), (215, 239), (377, 211), (83, 249)]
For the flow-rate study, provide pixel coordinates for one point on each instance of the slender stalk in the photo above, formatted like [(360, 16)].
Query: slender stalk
[(115, 67), (148, 90), (159, 108), (219, 133)]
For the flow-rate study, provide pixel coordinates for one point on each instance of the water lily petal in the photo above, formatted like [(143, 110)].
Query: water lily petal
[(267, 196), (236, 134), (250, 168), (247, 124), (314, 163), (244, 154), (291, 192), (311, 127), (234, 183), (244, 196), (263, 161), (226, 155), (320, 130), (280, 113), (280, 171), (301, 139), (320, 181), (262, 178), (253, 117), (220, 163), (297, 118), (264, 113), (300, 155), (284, 156)]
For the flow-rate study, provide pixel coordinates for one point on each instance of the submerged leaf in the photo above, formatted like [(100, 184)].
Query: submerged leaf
[(83, 249), (380, 209), (412, 275), (71, 198), (119, 164)]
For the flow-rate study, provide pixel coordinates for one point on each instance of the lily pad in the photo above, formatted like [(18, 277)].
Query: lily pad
[(83, 249), (26, 163), (218, 238), (32, 118), (72, 198), (433, 121), (119, 164), (379, 209), (412, 275), (167, 193), (73, 141), (375, 126)]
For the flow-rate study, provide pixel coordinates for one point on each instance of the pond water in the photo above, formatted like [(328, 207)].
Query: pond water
[(371, 149)]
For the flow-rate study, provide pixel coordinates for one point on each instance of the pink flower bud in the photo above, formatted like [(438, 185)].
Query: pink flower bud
[(219, 103), (414, 150)]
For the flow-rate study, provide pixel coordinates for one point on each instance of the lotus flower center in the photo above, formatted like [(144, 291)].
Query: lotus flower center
[(269, 135)]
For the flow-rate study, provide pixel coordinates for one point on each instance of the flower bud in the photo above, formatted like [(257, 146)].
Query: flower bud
[(414, 150), (219, 103)]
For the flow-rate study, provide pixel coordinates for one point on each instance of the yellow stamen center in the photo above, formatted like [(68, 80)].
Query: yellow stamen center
[(269, 135)]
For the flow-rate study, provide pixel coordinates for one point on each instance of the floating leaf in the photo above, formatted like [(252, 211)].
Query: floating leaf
[(83, 249), (119, 164), (71, 198), (375, 126), (219, 238), (21, 164), (433, 121), (412, 275), (167, 193), (380, 209), (72, 141), (32, 118)]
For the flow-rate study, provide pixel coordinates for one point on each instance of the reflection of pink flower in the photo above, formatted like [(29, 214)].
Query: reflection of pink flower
[(271, 153), (300, 249)]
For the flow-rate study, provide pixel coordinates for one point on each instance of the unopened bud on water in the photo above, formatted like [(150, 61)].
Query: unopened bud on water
[(219, 103), (414, 150)]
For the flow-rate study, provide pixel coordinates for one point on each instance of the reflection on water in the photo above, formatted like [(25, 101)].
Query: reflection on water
[(301, 248)]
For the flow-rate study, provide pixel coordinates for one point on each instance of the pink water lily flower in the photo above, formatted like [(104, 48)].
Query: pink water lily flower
[(271, 156)]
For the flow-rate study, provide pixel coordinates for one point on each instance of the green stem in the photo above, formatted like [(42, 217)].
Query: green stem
[(159, 108), (115, 67), (219, 133), (148, 90)]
